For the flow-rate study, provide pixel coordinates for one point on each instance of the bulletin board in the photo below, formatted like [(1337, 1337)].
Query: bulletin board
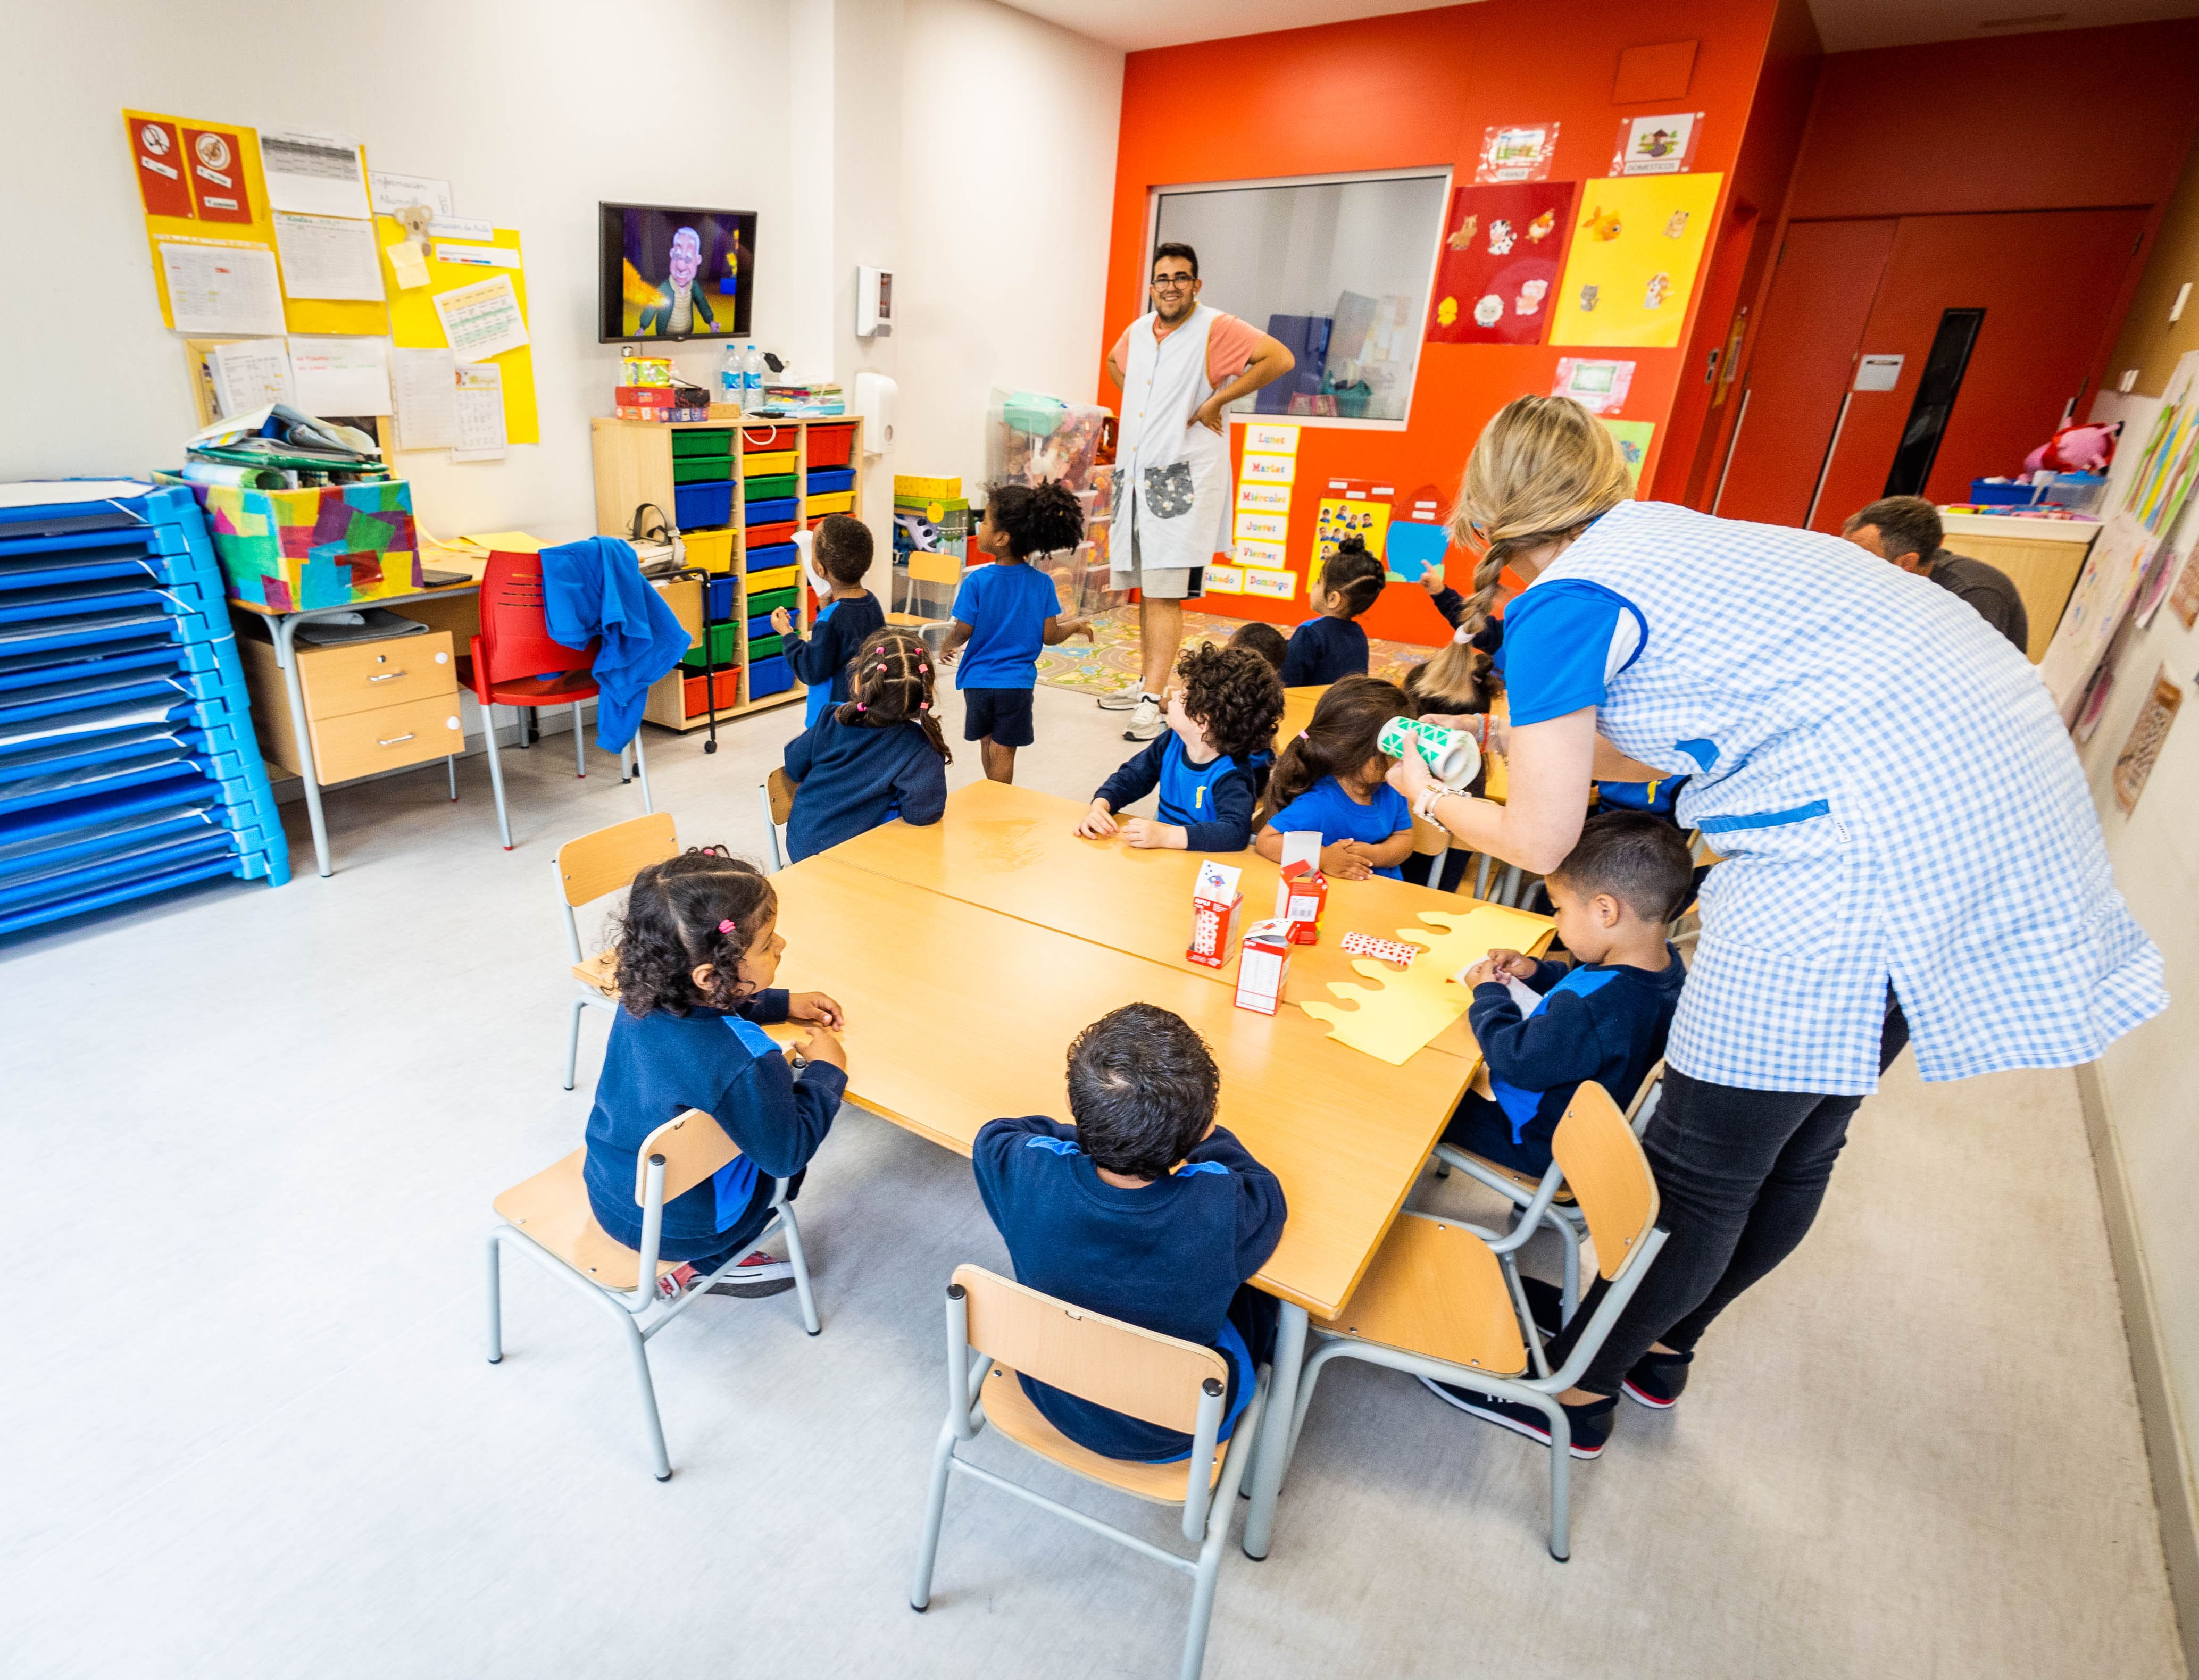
[(415, 325), (1637, 245)]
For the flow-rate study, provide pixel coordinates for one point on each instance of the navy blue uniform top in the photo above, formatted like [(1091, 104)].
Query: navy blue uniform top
[(833, 639), (1006, 605), (1167, 1258), (855, 776), (1212, 803), (662, 1064), (1452, 605), (1601, 1021), (1322, 650)]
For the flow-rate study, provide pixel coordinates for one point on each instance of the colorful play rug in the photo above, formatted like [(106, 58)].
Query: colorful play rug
[(1109, 662)]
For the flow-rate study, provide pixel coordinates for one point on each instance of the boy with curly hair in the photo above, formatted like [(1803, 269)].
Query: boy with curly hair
[(1220, 715)]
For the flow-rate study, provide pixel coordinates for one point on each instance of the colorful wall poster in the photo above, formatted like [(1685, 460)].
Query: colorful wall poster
[(216, 157), (1354, 507), (2162, 478), (1600, 388), (1637, 242), (1633, 437), (1417, 539), (2135, 762), (2104, 590), (1517, 152), (1501, 252), (1662, 145)]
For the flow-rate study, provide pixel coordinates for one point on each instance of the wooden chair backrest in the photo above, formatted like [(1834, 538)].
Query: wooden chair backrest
[(1608, 1174), (1429, 838), (1103, 1360), (694, 1147), (780, 788), (1297, 713), (607, 860)]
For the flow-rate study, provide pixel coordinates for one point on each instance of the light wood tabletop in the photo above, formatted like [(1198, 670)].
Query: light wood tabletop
[(958, 1014), (1012, 850)]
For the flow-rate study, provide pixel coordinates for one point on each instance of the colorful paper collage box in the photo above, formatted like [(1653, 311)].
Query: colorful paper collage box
[(289, 551)]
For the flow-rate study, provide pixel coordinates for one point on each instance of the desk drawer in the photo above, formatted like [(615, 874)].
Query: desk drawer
[(367, 675), (388, 738)]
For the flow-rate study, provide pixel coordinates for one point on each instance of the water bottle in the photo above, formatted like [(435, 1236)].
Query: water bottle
[(729, 376), (752, 378)]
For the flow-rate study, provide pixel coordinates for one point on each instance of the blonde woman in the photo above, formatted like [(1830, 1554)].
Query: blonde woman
[(1894, 871)]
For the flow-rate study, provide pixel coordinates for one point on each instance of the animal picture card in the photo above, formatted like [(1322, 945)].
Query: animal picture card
[(1637, 243), (1501, 252)]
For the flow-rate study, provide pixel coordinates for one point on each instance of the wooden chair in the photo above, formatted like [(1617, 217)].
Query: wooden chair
[(1298, 705), (588, 868), (548, 1219), (1442, 1299), (1176, 1385), (775, 793)]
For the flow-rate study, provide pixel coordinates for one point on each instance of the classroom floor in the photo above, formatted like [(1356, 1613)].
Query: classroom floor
[(1110, 662), (247, 1429)]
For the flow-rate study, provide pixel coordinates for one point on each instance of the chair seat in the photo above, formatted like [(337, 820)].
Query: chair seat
[(599, 973), (1530, 1182), (560, 688), (552, 1209), (1011, 1410), (1435, 1289)]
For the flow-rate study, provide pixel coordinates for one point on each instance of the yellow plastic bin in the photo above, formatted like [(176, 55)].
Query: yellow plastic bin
[(713, 551), (776, 577), (840, 501), (762, 465)]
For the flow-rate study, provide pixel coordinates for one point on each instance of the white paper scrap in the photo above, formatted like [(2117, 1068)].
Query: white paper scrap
[(392, 193), (461, 227), (314, 174), (480, 256), (425, 383), (482, 320), (341, 376), (328, 256), (480, 413), (221, 289)]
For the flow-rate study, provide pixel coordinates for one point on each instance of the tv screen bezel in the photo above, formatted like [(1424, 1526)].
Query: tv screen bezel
[(611, 255)]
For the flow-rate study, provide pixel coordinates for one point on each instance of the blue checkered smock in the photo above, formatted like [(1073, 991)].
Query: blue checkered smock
[(1896, 799)]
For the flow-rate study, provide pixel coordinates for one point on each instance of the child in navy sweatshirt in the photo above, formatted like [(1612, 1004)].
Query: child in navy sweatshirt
[(881, 755), (842, 549), (1604, 1020), (697, 949), (1144, 1210), (1222, 712), (1323, 649)]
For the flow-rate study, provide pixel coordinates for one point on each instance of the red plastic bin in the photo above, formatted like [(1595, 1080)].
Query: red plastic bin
[(832, 445), (727, 688), (762, 439), (779, 531)]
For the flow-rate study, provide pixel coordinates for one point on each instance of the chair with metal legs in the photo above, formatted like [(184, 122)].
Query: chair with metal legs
[(548, 1219), (1176, 1385), (1442, 1299), (775, 793), (589, 868)]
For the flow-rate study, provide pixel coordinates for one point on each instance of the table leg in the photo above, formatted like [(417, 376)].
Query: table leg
[(1275, 1442), (1509, 892), (286, 655)]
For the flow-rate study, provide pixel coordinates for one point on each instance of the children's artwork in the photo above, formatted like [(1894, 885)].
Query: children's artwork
[(2153, 588), (1662, 145), (1633, 437), (1600, 388), (2183, 600), (2104, 590), (2163, 475), (1637, 244), (2135, 762), (1517, 152), (2095, 705), (1414, 547), (1354, 507), (1501, 255), (1395, 951), (1397, 1016)]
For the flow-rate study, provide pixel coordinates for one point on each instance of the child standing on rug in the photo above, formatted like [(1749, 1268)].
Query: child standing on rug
[(1323, 649)]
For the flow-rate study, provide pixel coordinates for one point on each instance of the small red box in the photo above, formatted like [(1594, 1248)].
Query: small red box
[(1300, 897), (727, 686), (1264, 965), (1215, 906), (642, 396), (628, 412), (832, 445)]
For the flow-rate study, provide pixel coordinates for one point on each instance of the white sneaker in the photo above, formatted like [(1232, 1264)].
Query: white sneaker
[(1145, 723), (1121, 701), (758, 1275)]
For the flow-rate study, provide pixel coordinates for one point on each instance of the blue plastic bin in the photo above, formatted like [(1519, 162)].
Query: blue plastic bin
[(830, 481), (723, 595), (769, 676), (694, 505), (772, 554), (768, 512)]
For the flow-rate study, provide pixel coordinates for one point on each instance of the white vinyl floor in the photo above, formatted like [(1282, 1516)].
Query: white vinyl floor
[(247, 1429)]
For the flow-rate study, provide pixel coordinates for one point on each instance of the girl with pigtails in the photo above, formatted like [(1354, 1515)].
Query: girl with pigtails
[(880, 755)]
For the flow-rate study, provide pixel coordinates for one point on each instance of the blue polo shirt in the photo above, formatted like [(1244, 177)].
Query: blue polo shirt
[(1006, 605), (1327, 806), (1212, 803)]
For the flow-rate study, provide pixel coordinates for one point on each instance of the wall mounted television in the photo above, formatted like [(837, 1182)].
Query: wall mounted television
[(672, 272)]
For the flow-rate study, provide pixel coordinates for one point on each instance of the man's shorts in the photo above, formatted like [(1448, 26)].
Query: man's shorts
[(1004, 713), (1173, 583)]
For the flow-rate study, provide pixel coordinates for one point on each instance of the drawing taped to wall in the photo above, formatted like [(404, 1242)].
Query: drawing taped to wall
[(2135, 762)]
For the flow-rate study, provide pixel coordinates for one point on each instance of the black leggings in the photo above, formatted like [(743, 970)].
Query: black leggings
[(1739, 1174)]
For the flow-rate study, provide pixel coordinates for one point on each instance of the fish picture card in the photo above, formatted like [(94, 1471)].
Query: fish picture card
[(1502, 248), (1637, 243)]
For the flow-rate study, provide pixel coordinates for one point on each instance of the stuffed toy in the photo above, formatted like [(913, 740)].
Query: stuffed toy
[(2075, 449)]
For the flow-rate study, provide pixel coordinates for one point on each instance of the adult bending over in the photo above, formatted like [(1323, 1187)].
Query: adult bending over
[(1892, 869)]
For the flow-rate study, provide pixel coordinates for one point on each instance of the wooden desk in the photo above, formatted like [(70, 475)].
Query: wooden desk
[(2041, 557), (1011, 849)]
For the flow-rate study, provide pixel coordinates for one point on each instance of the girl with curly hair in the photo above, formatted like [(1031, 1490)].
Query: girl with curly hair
[(879, 757), (697, 949), (1220, 715)]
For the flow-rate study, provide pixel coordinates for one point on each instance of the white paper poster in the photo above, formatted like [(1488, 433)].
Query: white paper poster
[(314, 174), (2103, 594), (461, 227), (1266, 554), (1269, 469), (477, 256), (1262, 528), (480, 413), (425, 384), (341, 376), (328, 256), (251, 374), (392, 193), (1275, 585), (482, 320), (1222, 581), (1270, 440), (221, 289), (1254, 498)]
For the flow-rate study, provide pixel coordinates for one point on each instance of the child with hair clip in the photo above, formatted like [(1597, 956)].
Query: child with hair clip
[(1321, 649), (1331, 778), (842, 547), (879, 757), (1006, 612), (1218, 716), (697, 949)]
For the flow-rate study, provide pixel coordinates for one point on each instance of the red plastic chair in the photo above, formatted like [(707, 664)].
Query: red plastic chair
[(513, 662)]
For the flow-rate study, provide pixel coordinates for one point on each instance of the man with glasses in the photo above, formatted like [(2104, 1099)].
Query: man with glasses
[(1177, 368)]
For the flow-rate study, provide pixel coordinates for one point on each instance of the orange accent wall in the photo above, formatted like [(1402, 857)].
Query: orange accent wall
[(1419, 89)]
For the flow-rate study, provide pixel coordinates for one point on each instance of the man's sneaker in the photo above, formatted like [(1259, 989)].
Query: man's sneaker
[(1657, 1379), (758, 1275), (1145, 723), (1591, 1424), (1121, 700)]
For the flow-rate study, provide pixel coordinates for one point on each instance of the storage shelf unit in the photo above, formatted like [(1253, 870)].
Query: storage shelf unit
[(739, 491), (128, 760)]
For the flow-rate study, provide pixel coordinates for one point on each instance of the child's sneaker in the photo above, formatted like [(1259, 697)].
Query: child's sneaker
[(1657, 1379), (1146, 722), (673, 1284), (1591, 1424), (752, 1278)]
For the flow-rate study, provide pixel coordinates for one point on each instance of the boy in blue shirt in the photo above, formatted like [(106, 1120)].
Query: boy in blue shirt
[(1325, 648), (1144, 1210), (842, 546), (1222, 713), (1006, 612)]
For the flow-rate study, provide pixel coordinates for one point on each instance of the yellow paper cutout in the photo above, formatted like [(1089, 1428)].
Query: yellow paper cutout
[(414, 324), (1396, 1020), (1638, 243), (509, 542)]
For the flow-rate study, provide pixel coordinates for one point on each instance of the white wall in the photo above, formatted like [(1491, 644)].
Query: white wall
[(1008, 129), (517, 102)]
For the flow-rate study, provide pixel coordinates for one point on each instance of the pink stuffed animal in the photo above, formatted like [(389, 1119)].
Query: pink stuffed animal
[(2075, 449)]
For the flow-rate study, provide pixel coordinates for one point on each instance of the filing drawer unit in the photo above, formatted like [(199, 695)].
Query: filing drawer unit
[(369, 706), (128, 763)]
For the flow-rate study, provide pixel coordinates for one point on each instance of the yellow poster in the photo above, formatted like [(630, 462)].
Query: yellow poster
[(1341, 517), (1637, 245), (416, 323)]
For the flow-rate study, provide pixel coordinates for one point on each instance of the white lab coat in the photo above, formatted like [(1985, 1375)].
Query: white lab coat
[(1172, 487)]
